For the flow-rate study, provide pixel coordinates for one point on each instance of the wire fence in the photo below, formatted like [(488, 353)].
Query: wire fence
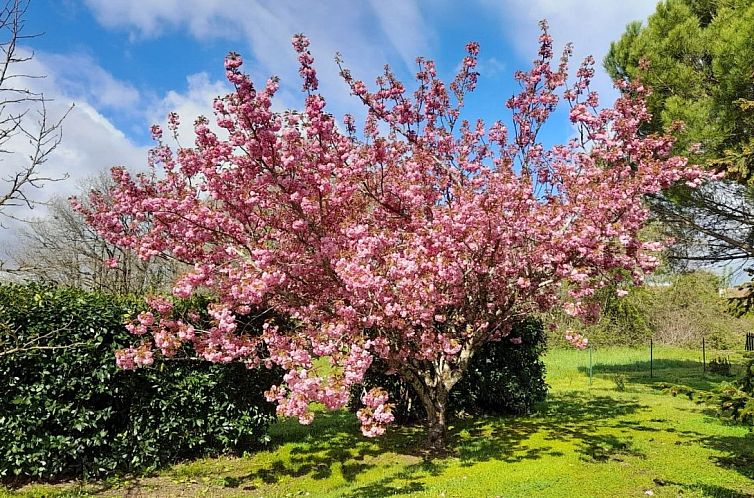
[(649, 363)]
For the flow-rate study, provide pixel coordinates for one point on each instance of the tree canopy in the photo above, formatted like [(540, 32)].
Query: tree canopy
[(697, 56), (700, 65)]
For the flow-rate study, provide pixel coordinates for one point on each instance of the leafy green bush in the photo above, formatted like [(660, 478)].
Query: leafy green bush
[(503, 377), (734, 400), (67, 410), (623, 321), (720, 366)]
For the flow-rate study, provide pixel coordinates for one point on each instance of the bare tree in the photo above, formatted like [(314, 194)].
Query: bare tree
[(711, 225), (27, 134), (63, 249)]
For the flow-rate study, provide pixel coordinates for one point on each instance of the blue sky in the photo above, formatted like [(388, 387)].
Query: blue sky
[(127, 63)]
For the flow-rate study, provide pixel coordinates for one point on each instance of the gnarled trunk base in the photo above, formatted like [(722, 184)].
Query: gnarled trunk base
[(436, 404)]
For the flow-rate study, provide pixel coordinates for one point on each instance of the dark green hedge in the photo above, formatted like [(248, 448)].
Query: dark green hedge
[(503, 378), (71, 412)]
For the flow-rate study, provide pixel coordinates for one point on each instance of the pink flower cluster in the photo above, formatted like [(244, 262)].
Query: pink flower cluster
[(577, 340), (141, 356), (376, 414)]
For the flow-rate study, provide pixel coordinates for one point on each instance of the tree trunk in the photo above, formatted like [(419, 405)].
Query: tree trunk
[(432, 382), (435, 402)]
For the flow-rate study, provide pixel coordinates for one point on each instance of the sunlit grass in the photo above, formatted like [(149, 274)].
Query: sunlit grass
[(587, 440)]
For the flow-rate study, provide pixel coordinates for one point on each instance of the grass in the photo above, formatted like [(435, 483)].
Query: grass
[(586, 441)]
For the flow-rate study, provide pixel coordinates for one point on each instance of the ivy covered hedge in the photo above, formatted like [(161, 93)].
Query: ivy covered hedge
[(66, 410), (504, 377)]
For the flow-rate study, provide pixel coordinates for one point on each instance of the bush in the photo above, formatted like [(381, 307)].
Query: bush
[(623, 321), (67, 410), (720, 366), (734, 400), (503, 378)]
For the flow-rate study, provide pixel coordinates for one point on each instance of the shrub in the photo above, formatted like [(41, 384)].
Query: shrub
[(502, 378), (67, 410), (623, 321), (734, 400), (680, 310), (691, 308), (720, 366)]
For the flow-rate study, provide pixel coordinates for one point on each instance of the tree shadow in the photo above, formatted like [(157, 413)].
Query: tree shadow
[(573, 417), (711, 490), (737, 452), (334, 438), (599, 428), (689, 373)]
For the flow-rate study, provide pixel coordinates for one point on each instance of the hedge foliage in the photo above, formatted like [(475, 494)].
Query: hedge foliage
[(503, 378), (67, 410)]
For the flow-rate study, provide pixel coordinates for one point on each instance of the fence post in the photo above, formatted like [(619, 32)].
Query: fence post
[(704, 357), (590, 364), (651, 358)]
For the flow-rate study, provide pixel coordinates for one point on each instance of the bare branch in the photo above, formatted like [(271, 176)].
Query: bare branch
[(27, 134), (34, 343)]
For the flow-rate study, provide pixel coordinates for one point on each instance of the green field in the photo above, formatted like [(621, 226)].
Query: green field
[(586, 441)]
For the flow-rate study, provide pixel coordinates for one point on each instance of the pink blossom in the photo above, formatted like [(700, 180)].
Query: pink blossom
[(376, 413), (577, 340)]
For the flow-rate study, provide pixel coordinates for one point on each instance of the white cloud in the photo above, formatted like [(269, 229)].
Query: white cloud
[(332, 26), (79, 77), (90, 142), (404, 27), (195, 101), (370, 33)]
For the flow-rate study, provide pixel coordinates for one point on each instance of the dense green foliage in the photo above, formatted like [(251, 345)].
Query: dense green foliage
[(65, 409), (701, 61), (736, 400), (623, 321), (503, 377)]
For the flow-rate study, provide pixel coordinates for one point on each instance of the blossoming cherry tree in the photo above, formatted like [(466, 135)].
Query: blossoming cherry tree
[(417, 238)]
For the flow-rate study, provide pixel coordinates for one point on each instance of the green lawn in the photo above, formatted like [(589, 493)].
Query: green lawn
[(587, 440)]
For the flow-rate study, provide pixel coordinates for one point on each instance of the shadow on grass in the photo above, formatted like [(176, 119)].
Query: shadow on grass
[(571, 417), (711, 490), (333, 443), (689, 373), (737, 452)]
